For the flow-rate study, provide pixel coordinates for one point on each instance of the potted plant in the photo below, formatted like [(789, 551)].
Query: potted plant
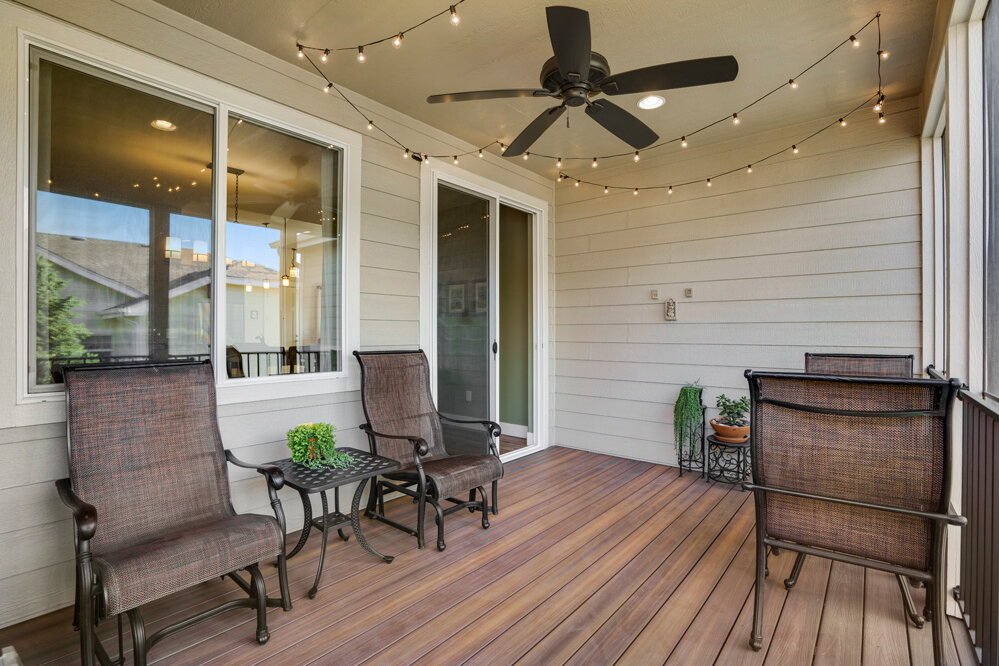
[(732, 425), (314, 445), (688, 419)]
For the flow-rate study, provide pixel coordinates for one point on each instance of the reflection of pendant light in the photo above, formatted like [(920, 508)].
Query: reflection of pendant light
[(284, 252)]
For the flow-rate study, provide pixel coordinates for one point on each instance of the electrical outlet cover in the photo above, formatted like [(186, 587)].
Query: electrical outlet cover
[(688, 292), (655, 294)]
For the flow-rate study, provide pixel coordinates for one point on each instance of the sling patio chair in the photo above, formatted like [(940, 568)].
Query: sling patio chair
[(403, 424), (857, 470), (863, 365), (151, 505)]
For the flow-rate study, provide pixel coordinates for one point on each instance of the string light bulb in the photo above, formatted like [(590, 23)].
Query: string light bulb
[(635, 192), (397, 42), (325, 56), (328, 87), (880, 104), (854, 41), (559, 178), (249, 288), (285, 281), (405, 155), (794, 149), (881, 118), (301, 51), (749, 169), (636, 158), (426, 158), (360, 54), (793, 84), (669, 190), (558, 162), (683, 142), (735, 119), (371, 125), (455, 159), (842, 122), (709, 182), (883, 55), (526, 155), (502, 148), (480, 152), (594, 165), (577, 183), (455, 19), (606, 189)]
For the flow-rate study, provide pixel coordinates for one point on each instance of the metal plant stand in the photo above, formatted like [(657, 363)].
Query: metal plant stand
[(307, 481), (727, 463)]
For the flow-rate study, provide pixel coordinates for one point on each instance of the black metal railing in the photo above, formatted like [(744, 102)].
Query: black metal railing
[(978, 589)]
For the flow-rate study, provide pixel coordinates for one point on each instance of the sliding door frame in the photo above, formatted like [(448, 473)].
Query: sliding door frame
[(434, 174)]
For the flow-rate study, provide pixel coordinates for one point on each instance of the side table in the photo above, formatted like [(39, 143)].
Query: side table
[(307, 481), (727, 463)]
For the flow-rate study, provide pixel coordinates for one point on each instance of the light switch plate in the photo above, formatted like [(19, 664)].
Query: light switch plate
[(688, 292), (655, 294)]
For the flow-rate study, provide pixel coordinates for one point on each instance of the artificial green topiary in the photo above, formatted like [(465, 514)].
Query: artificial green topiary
[(314, 446), (688, 419)]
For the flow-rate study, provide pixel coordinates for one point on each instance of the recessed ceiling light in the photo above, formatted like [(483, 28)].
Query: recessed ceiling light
[(651, 102), (163, 125)]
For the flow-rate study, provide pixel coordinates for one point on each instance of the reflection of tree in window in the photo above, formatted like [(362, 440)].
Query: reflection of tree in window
[(57, 335)]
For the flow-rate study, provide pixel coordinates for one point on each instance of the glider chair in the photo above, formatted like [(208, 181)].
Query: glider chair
[(403, 424), (863, 365), (150, 498), (860, 365), (857, 470)]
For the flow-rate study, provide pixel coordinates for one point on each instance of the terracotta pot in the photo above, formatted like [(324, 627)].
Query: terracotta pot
[(730, 434)]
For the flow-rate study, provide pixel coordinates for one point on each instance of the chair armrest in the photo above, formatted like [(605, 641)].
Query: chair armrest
[(419, 444), (950, 519), (84, 515), (492, 428), (275, 477)]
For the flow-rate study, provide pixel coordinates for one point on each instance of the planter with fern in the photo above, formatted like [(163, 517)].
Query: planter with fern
[(688, 428), (732, 425), (314, 446)]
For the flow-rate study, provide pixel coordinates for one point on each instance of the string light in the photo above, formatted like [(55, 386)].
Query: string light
[(635, 192), (881, 118), (526, 156), (735, 119), (842, 122), (559, 178), (606, 190), (709, 182), (301, 52), (577, 183), (329, 87), (594, 165), (325, 56), (405, 155), (285, 281), (426, 158), (854, 41), (371, 125), (558, 163), (793, 84), (683, 142), (669, 190), (636, 156), (397, 42), (883, 55), (749, 169), (455, 159), (455, 19), (480, 152), (360, 54), (880, 103), (502, 148), (794, 149)]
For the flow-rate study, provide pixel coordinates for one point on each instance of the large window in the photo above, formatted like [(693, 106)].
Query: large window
[(122, 263), (990, 37)]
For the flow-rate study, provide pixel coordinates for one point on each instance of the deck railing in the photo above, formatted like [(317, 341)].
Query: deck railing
[(978, 590)]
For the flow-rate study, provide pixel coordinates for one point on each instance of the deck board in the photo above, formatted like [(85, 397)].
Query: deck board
[(592, 559)]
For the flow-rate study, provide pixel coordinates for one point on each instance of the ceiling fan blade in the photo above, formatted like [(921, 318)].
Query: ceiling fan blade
[(671, 75), (533, 132), (487, 94), (621, 124), (569, 30)]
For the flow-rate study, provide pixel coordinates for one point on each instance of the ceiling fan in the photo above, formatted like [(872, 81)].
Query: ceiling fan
[(575, 74)]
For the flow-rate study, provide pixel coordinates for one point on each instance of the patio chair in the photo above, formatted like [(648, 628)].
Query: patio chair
[(150, 499), (857, 470), (862, 365), (403, 424)]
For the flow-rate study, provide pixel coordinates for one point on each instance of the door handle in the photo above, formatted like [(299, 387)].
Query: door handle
[(495, 347)]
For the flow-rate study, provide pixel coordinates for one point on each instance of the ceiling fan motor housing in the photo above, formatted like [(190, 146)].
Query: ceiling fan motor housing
[(575, 92)]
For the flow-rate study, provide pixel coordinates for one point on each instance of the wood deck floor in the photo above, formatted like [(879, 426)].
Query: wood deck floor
[(593, 560)]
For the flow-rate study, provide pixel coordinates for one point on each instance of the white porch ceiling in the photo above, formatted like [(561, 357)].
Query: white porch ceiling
[(503, 45)]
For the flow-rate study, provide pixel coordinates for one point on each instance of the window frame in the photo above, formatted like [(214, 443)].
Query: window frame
[(90, 53)]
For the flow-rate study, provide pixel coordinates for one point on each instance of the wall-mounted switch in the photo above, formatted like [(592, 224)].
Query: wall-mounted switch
[(655, 294), (468, 396), (688, 292)]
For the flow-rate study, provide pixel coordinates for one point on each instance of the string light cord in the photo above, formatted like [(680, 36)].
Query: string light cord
[(448, 10), (707, 179)]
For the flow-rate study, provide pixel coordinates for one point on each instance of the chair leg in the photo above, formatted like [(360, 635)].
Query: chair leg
[(792, 580), (259, 594), (485, 507), (440, 524), (138, 627), (495, 497), (471, 498), (83, 615), (756, 637), (936, 592), (908, 603), (283, 582), (421, 511)]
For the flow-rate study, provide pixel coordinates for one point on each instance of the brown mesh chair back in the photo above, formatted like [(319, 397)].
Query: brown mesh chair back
[(395, 393), (860, 365), (873, 441), (152, 431)]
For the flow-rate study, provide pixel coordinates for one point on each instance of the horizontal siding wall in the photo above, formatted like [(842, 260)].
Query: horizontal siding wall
[(818, 251), (36, 546)]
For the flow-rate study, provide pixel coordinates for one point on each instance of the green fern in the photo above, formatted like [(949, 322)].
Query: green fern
[(688, 421)]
